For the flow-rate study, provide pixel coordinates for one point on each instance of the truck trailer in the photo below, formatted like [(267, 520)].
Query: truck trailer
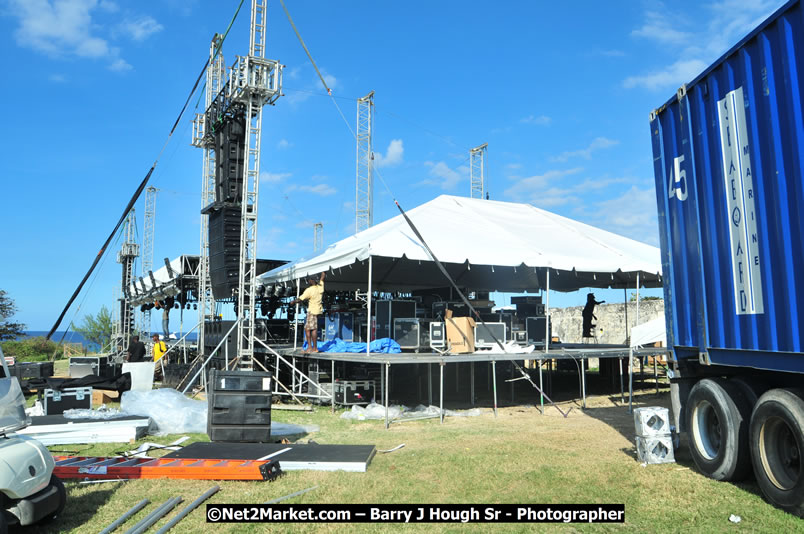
[(728, 153)]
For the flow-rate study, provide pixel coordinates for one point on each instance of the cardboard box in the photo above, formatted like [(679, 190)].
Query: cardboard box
[(100, 396), (460, 334)]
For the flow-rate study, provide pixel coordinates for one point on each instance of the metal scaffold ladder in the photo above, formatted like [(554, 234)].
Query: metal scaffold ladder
[(120, 467)]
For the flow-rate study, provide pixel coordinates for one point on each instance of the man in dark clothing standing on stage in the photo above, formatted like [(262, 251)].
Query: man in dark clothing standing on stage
[(136, 350)]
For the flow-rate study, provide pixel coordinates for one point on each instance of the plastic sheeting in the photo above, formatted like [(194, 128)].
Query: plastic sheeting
[(172, 412), (384, 345), (377, 411)]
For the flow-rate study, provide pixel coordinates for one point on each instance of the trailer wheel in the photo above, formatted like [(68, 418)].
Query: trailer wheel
[(777, 444), (718, 415)]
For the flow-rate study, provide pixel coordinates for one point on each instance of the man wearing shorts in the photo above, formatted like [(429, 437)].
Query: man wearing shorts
[(313, 295)]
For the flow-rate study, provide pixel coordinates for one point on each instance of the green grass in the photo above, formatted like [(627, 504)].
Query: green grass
[(519, 457)]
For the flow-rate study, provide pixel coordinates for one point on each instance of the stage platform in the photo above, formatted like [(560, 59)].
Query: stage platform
[(580, 353)]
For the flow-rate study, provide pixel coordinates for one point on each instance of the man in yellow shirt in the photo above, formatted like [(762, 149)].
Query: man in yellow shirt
[(160, 348), (313, 295)]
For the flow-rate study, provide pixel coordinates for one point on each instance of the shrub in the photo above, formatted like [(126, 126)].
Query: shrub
[(32, 349)]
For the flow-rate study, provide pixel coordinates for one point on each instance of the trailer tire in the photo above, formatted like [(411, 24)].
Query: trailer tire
[(3, 522), (718, 416), (777, 444)]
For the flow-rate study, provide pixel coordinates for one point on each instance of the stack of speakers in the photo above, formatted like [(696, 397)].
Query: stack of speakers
[(224, 251), (239, 406), (230, 151), (225, 214)]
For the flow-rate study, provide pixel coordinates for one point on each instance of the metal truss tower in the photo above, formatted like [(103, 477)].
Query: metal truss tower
[(129, 251), (477, 171), (253, 82), (216, 76), (364, 196), (318, 236), (148, 249)]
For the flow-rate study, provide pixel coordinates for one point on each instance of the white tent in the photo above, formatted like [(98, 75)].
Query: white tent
[(485, 245)]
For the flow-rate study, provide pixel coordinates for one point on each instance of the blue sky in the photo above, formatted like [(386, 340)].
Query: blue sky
[(561, 92)]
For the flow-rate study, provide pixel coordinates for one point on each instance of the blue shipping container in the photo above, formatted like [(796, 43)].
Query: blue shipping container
[(729, 167)]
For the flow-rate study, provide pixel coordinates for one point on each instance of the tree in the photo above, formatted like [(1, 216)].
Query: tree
[(8, 330), (97, 329)]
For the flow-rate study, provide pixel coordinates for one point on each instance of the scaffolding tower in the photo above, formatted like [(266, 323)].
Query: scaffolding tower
[(318, 236), (216, 76), (253, 82), (477, 171), (129, 251), (148, 251), (364, 190)]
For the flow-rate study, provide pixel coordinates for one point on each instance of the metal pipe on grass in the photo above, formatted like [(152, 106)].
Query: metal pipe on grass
[(189, 508), (123, 518), (290, 496), (146, 522)]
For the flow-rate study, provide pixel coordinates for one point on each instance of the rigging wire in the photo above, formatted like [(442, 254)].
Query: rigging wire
[(137, 192)]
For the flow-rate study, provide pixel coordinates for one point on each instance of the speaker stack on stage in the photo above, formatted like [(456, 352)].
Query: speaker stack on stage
[(225, 219)]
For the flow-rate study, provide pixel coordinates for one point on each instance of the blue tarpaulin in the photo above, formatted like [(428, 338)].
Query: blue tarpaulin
[(383, 345)]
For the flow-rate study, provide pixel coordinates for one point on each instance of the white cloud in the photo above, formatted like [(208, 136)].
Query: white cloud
[(514, 166), (273, 177), (632, 214), (543, 189), (108, 6), (70, 28), (58, 78), (443, 176), (284, 144), (697, 43), (597, 143), (661, 27), (140, 28), (541, 120), (311, 87), (323, 190), (393, 155), (673, 76), (120, 65)]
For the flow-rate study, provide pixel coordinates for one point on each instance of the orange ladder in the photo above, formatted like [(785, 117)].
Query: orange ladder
[(178, 468)]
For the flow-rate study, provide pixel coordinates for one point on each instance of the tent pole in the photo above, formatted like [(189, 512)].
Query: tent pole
[(472, 383), (296, 319), (547, 315), (625, 305), (368, 300), (441, 392), (637, 297), (387, 380), (546, 337), (494, 384)]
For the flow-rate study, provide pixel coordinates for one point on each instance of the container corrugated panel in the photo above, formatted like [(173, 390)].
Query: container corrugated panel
[(729, 167)]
